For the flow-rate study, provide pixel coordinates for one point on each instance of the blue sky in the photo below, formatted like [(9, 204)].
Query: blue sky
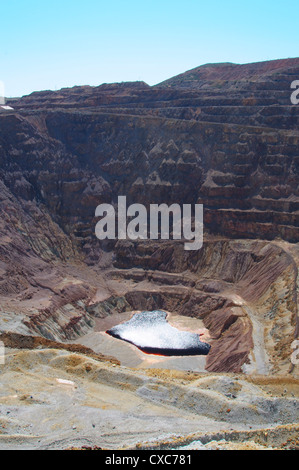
[(55, 44)]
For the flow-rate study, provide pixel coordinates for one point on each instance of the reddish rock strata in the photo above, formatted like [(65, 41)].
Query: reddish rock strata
[(222, 135)]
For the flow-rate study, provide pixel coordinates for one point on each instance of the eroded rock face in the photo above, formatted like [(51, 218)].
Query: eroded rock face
[(225, 136), (76, 148), (244, 291)]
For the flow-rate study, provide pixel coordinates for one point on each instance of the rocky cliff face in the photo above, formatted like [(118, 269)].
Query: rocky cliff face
[(222, 135)]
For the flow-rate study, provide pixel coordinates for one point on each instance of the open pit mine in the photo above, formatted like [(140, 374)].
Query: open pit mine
[(138, 343)]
